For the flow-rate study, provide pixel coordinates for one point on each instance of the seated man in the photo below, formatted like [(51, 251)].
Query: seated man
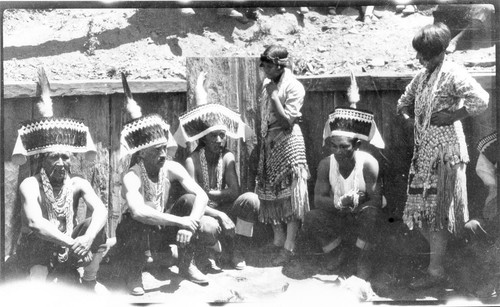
[(213, 167), (54, 241), (347, 193), (149, 223), (484, 226)]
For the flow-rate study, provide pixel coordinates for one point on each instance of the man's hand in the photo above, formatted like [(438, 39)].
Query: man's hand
[(227, 224), (189, 223), (443, 118), (184, 237), (81, 245)]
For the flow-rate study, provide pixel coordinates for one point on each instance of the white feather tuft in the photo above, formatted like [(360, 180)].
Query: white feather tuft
[(45, 107), (45, 104), (200, 94), (353, 92), (134, 109)]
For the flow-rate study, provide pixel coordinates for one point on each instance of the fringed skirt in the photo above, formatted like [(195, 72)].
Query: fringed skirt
[(282, 177), (437, 190)]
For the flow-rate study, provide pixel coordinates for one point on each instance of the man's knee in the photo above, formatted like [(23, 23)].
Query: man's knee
[(246, 207), (81, 229), (368, 220), (184, 205), (368, 216), (209, 230)]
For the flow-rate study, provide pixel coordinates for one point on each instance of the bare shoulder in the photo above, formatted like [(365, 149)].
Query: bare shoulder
[(369, 158), (324, 163), (130, 176), (174, 169), (79, 183), (369, 161), (29, 184), (228, 156)]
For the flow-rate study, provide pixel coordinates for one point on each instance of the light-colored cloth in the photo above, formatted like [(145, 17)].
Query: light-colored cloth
[(355, 182), (291, 94), (282, 171), (437, 196)]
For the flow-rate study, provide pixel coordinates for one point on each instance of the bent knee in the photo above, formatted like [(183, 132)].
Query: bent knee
[(209, 225)]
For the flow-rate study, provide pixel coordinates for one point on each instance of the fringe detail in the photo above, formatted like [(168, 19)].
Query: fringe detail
[(293, 207), (448, 209)]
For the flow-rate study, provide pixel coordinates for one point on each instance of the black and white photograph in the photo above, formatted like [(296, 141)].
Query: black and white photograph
[(249, 152)]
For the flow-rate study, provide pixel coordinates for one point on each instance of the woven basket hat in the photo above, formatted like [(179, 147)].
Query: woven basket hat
[(488, 146), (352, 122), (208, 117), (143, 131), (49, 133)]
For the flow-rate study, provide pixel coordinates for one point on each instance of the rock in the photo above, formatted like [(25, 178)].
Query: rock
[(322, 49), (377, 62)]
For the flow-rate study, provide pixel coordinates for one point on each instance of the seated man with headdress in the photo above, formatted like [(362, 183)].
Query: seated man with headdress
[(54, 242), (150, 222), (213, 167), (347, 195), (483, 228)]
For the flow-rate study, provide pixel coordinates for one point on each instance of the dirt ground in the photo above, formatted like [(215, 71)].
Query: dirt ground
[(78, 44), (154, 43)]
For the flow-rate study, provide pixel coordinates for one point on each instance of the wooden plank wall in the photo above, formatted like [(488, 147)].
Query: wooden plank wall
[(105, 115)]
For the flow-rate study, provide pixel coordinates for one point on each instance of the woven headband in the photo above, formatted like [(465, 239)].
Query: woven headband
[(275, 60)]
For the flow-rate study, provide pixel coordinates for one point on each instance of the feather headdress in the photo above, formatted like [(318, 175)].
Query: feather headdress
[(49, 133), (208, 117), (352, 122), (142, 132)]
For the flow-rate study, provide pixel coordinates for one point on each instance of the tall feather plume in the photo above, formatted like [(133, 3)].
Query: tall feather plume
[(132, 107), (353, 91), (200, 94), (45, 104)]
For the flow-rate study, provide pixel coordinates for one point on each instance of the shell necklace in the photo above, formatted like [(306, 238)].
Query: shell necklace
[(204, 170), (58, 206), (153, 191)]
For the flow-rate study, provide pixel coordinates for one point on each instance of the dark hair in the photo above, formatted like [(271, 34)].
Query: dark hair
[(431, 40), (273, 54)]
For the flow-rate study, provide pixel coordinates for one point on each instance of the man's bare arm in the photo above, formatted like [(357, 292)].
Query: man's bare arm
[(322, 195), (145, 214), (37, 223), (99, 211), (372, 183)]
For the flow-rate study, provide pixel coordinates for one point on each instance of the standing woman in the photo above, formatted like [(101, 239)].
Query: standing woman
[(283, 172), (440, 96)]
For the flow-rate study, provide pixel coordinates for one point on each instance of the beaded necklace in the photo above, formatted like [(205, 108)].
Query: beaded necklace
[(204, 170), (59, 206), (153, 191), (423, 109)]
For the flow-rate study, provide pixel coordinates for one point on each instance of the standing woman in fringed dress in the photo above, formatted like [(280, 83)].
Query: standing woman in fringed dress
[(283, 172), (441, 95)]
